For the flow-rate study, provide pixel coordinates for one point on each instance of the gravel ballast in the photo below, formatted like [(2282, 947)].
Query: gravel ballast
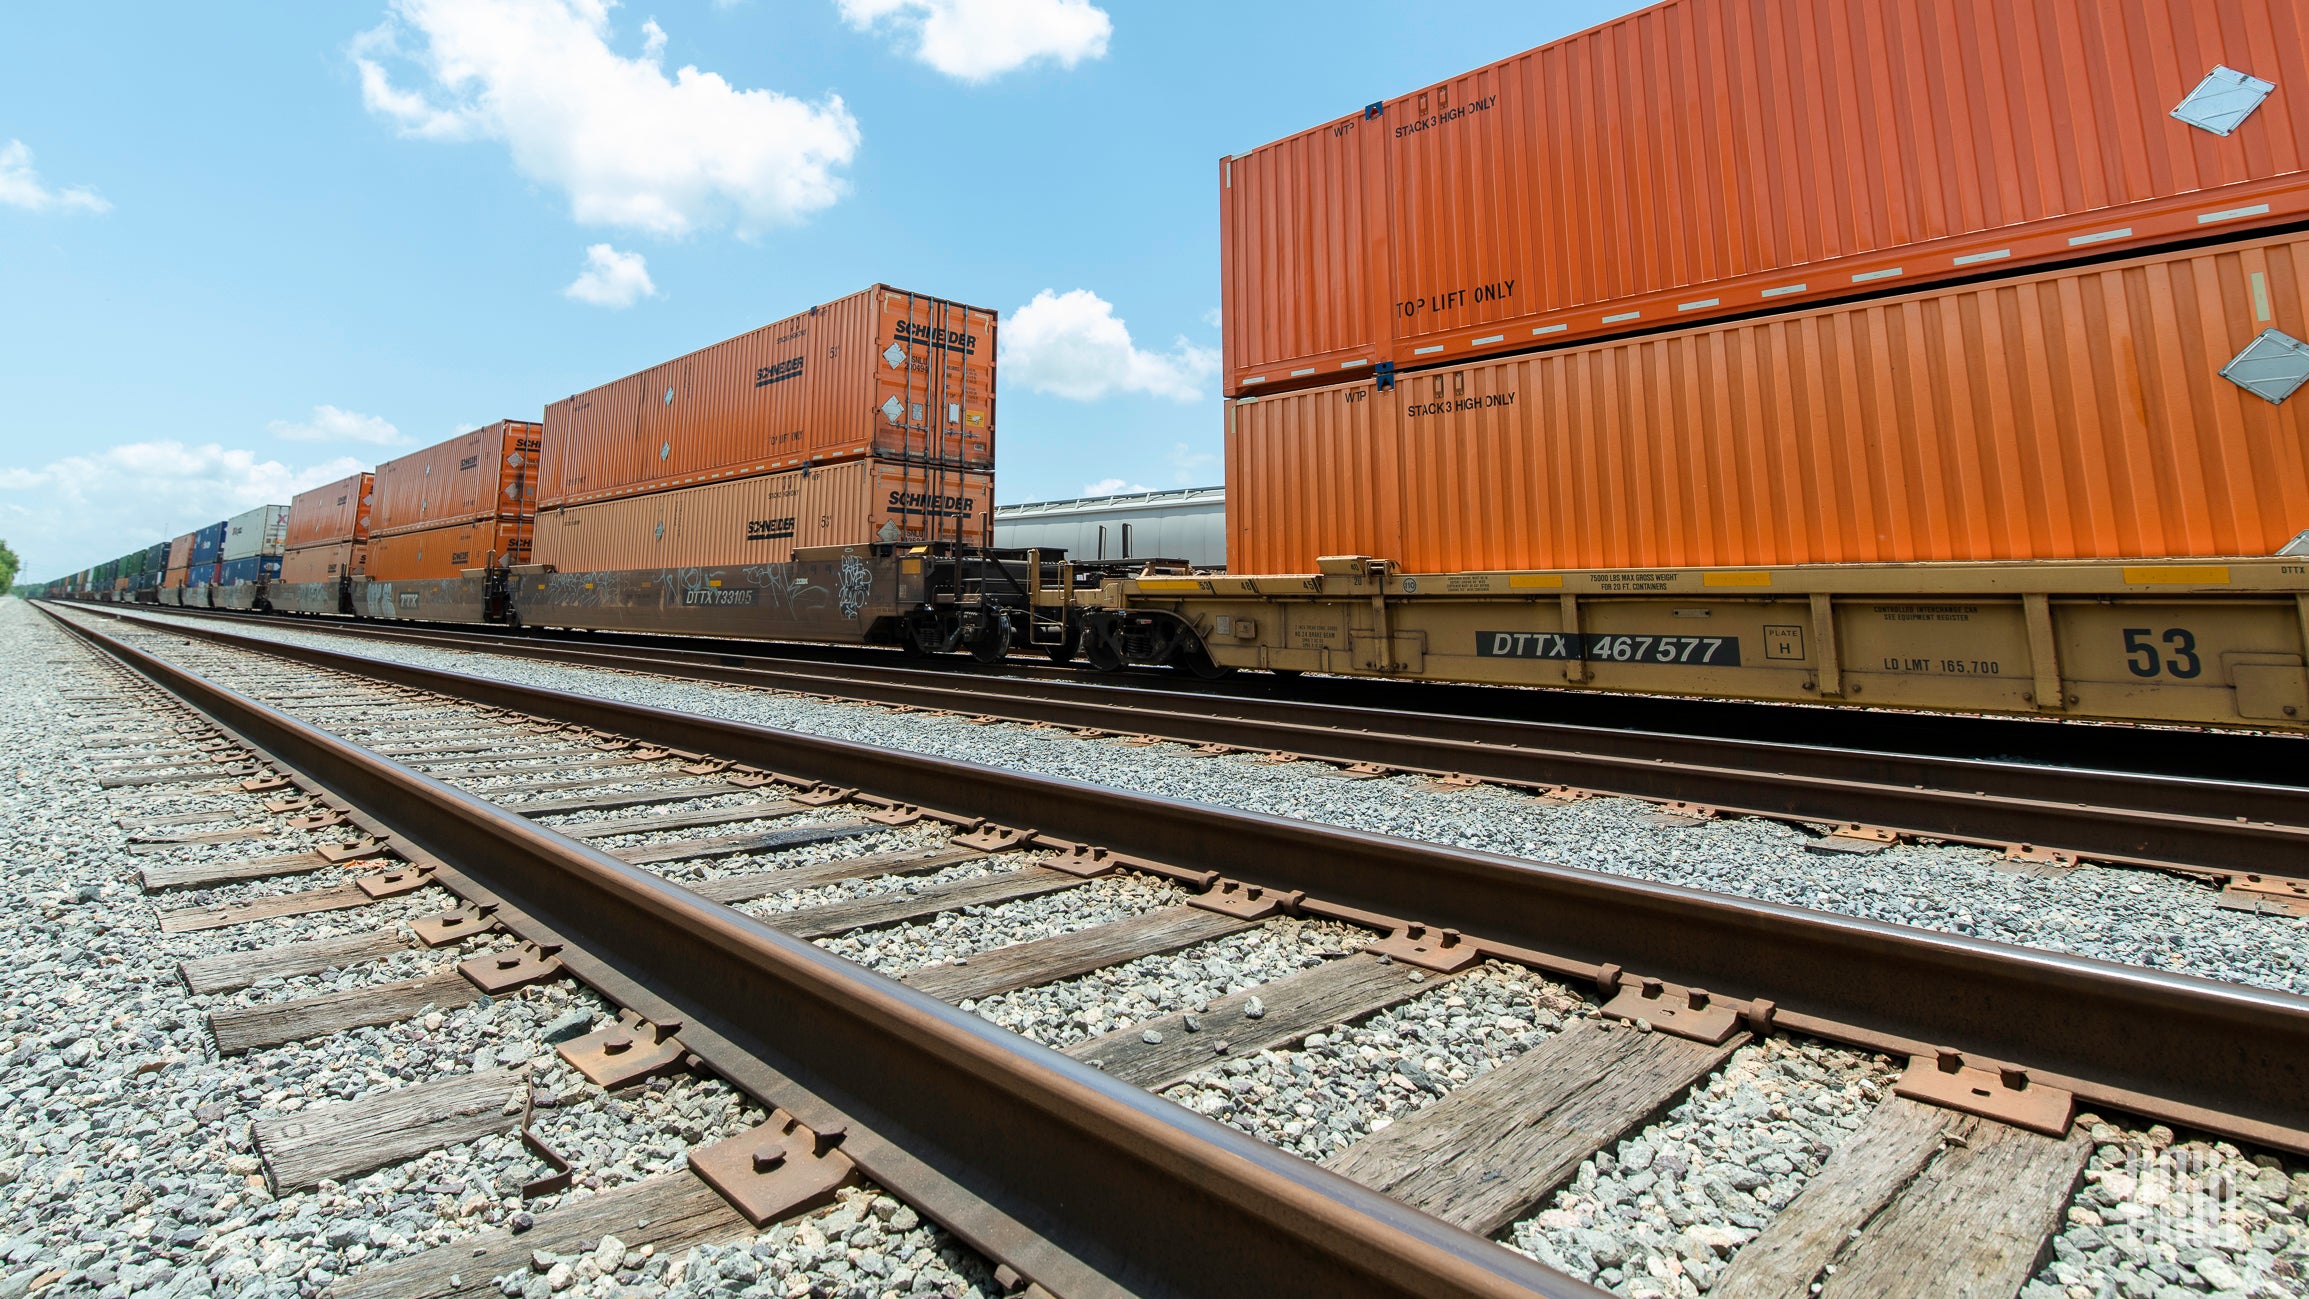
[(2132, 916)]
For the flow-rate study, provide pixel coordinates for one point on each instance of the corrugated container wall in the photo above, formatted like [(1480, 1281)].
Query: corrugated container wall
[(763, 518), (2076, 414), (260, 531), (248, 568), (490, 473), (323, 563), (207, 544), (338, 511), (1717, 157), (883, 372), (180, 550), (449, 550)]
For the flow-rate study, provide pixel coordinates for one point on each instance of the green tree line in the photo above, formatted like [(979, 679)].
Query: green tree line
[(8, 564)]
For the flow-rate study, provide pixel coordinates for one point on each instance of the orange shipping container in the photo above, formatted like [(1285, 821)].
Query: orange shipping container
[(180, 551), (1721, 157), (883, 372), (2074, 414), (449, 550), (763, 518), (490, 473), (323, 563), (336, 512), (171, 577)]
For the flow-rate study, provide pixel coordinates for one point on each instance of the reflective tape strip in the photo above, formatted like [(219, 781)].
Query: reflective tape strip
[(1625, 315), (1551, 329), (2079, 241), (1785, 288), (1695, 306), (1422, 351), (1296, 373), (1535, 581), (2231, 214), (1495, 338), (2178, 575), (1736, 579), (1866, 276), (1975, 259)]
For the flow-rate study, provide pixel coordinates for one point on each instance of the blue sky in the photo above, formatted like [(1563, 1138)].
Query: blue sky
[(245, 249)]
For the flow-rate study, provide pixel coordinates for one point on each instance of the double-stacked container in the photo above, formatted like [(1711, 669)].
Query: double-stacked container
[(178, 569), (207, 553), (253, 543), (327, 537), (467, 503), (869, 419), (1775, 283)]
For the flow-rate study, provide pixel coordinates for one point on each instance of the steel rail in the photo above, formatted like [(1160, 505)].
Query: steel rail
[(2214, 1056), (2212, 827), (1084, 1184)]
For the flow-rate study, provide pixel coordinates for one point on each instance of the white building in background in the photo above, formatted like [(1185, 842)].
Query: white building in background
[(1189, 523)]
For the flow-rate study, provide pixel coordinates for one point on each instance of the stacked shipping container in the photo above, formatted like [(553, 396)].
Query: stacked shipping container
[(1703, 159), (1737, 160), (465, 503), (866, 419), (327, 537), (252, 548)]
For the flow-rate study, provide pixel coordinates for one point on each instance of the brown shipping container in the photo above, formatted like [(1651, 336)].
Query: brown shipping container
[(449, 550), (883, 372), (336, 512), (180, 551), (2073, 414), (323, 563), (490, 473), (761, 519), (172, 577), (1722, 157)]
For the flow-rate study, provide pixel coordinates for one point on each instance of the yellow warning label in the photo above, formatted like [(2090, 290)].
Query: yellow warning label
[(1736, 579), (2178, 575), (1535, 581)]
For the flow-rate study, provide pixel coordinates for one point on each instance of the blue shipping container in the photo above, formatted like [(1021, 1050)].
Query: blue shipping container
[(255, 568), (201, 574), (206, 545)]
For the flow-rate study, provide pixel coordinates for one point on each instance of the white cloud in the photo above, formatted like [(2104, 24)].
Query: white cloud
[(329, 424), (611, 279), (1213, 318), (1073, 345), (978, 40), (85, 509), (630, 146), (1113, 487), (20, 186)]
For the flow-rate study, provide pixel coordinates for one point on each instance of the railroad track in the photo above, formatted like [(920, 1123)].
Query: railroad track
[(2250, 839), (1071, 1176)]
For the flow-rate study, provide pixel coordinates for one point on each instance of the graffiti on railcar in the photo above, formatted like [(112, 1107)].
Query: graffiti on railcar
[(857, 585)]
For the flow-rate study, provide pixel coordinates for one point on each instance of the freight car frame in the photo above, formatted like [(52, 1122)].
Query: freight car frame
[(2199, 642), (924, 598)]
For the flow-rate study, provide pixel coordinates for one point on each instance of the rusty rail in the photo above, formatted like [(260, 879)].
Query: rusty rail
[(2214, 1056), (1084, 1185), (2221, 828)]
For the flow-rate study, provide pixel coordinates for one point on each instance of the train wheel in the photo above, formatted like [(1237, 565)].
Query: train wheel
[(993, 644), (1197, 661)]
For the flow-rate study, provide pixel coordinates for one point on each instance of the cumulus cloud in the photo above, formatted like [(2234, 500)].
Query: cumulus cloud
[(329, 424), (1213, 318), (21, 186), (1073, 345), (84, 509), (611, 279), (629, 145), (978, 40), (1113, 487), (1190, 465)]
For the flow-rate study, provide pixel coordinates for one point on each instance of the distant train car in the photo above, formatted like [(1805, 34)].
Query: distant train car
[(1188, 524)]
